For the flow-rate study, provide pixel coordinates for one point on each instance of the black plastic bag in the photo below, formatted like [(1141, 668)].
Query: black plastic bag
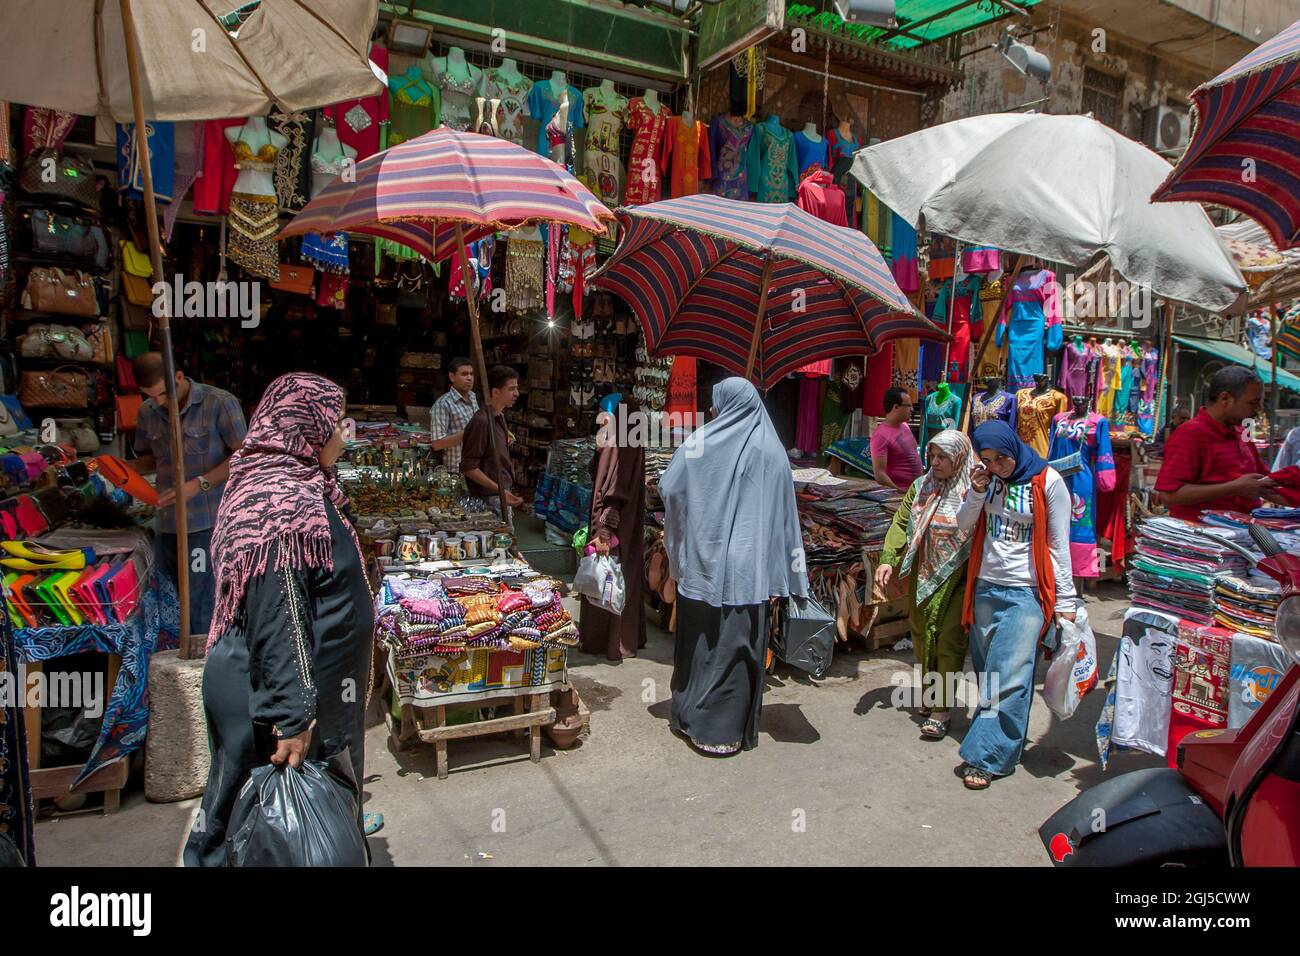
[(302, 817), (807, 638)]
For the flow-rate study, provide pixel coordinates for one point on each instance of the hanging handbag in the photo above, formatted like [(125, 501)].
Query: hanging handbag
[(135, 318), (135, 262), (55, 342), (138, 290), (55, 235), (128, 411), (79, 433), (295, 279), (100, 339), (8, 426), (46, 172), (62, 387), (65, 293), (806, 639), (125, 374)]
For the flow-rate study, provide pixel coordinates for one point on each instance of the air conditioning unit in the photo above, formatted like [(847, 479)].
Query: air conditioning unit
[(1166, 128)]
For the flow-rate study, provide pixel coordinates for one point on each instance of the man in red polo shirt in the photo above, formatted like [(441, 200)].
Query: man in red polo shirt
[(1208, 465)]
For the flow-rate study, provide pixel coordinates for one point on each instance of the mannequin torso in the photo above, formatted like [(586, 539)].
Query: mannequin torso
[(328, 159), (255, 146), (460, 82)]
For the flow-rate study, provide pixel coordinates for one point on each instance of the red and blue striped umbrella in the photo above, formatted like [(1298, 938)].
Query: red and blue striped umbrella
[(698, 270), (1245, 148), (417, 192)]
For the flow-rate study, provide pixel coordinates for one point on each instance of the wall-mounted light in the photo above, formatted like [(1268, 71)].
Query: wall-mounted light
[(877, 13), (407, 36), (1024, 57)]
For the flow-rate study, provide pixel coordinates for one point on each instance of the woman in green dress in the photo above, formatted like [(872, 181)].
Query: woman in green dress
[(926, 546)]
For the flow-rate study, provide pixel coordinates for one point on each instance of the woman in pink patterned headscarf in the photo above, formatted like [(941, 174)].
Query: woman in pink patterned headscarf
[(288, 666)]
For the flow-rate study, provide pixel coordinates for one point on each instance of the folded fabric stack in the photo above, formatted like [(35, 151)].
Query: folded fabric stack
[(839, 521), (1247, 605), (1176, 567), (455, 614)]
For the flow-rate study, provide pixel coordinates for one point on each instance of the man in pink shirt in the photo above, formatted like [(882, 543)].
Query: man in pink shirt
[(894, 456)]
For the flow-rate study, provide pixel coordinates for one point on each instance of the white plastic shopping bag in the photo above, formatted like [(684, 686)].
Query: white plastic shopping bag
[(1073, 671), (600, 581)]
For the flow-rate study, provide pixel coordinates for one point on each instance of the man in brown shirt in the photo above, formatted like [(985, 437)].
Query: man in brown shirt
[(484, 476)]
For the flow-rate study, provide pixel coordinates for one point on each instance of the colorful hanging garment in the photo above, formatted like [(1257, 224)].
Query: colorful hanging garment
[(1034, 322), (967, 322), (1089, 438)]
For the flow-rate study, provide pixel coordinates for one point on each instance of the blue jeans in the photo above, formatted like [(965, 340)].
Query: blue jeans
[(1003, 648), (202, 583)]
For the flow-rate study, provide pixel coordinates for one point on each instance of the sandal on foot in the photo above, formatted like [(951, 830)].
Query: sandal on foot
[(932, 729), (975, 778)]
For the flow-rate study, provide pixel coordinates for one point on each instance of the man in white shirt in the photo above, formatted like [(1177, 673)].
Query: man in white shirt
[(452, 412)]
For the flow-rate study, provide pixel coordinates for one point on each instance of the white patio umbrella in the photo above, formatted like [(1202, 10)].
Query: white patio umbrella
[(1065, 188), (176, 60)]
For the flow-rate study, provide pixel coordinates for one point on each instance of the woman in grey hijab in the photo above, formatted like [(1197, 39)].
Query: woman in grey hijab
[(731, 533)]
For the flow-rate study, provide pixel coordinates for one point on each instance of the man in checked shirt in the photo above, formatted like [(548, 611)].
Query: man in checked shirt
[(452, 412)]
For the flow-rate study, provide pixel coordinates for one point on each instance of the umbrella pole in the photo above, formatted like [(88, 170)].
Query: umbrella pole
[(1273, 398), (164, 328), (988, 338), (1167, 393), (758, 322), (476, 341)]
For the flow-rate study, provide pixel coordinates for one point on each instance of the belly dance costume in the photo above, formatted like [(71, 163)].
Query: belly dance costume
[(329, 253), (255, 219)]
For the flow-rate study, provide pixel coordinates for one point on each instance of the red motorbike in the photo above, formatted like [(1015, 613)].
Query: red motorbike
[(1235, 797)]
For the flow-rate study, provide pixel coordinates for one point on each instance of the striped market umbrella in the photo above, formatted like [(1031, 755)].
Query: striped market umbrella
[(441, 190), (760, 289), (1245, 148)]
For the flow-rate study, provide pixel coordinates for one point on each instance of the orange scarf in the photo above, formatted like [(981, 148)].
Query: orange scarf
[(1042, 560)]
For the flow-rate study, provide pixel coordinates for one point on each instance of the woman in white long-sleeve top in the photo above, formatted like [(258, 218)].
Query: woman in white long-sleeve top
[(1018, 584)]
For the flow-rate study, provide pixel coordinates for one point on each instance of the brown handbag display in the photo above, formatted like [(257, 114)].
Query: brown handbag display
[(137, 289), (295, 279), (62, 387), (135, 318), (100, 337), (46, 172), (63, 293)]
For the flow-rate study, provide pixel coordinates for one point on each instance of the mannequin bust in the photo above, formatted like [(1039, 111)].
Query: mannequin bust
[(607, 96), (651, 99), (559, 88), (458, 71), (992, 385), (508, 73), (1042, 384), (257, 165), (773, 121), (1079, 406), (412, 82), (810, 132), (942, 394), (329, 158), (687, 116), (1078, 342), (845, 129)]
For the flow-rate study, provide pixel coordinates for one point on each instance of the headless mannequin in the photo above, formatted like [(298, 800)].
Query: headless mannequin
[(456, 68), (508, 73), (1042, 385), (1080, 406), (845, 130), (942, 394), (992, 385), (1078, 342), (255, 134), (810, 133), (651, 99), (413, 83), (328, 150), (559, 87)]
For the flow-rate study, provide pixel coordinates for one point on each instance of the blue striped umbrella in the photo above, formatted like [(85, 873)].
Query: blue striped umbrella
[(760, 289), (1245, 148)]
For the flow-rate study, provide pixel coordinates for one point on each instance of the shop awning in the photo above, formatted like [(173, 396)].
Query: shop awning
[(919, 21), (1231, 352)]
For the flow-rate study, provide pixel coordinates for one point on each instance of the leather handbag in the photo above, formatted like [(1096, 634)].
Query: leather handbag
[(62, 387), (66, 293), (128, 411), (80, 433), (135, 262), (295, 279), (56, 235), (55, 342), (137, 289), (135, 318), (100, 338), (47, 172)]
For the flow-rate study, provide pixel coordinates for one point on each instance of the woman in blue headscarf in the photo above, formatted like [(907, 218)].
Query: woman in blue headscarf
[(616, 526), (1018, 583), (732, 537)]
